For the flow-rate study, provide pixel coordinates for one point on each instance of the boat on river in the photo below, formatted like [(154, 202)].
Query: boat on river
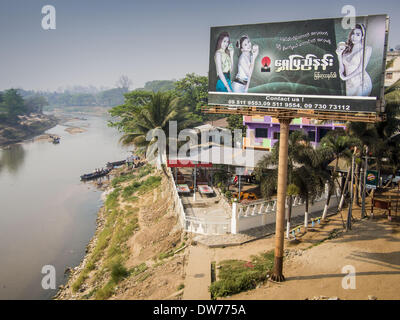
[(115, 164), (54, 139), (95, 175)]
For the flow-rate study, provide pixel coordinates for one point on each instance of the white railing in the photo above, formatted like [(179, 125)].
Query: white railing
[(261, 212), (177, 200), (269, 206), (257, 207), (203, 226)]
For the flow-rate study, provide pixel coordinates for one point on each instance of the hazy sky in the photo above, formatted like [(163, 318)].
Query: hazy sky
[(96, 41)]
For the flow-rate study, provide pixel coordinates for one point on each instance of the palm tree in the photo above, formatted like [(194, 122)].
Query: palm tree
[(145, 123), (292, 191), (367, 135), (304, 171), (310, 177), (335, 145), (268, 166)]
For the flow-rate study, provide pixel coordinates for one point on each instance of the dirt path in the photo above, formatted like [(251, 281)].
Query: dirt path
[(198, 274), (371, 248)]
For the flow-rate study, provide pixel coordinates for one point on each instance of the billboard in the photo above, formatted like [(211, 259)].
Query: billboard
[(312, 64)]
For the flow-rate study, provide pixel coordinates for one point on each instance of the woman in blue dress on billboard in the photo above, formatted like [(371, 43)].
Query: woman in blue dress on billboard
[(247, 57), (353, 59), (224, 61)]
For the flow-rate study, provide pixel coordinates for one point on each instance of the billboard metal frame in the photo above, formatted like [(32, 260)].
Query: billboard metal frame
[(290, 113), (284, 112)]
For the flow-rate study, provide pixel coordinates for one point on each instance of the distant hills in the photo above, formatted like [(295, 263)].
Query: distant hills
[(90, 96)]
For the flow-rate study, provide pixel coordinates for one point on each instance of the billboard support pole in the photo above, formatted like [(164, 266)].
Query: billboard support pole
[(277, 274)]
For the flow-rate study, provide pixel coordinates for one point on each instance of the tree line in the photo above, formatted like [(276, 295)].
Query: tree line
[(12, 105)]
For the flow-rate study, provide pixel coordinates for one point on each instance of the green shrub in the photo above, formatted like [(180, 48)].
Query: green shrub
[(150, 183), (105, 292), (165, 255), (118, 272), (138, 269), (129, 190), (180, 287), (116, 181), (112, 199), (237, 275), (144, 171)]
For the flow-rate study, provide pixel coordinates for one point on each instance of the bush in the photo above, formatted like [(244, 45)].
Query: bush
[(144, 171), (151, 183), (106, 291), (180, 287), (237, 275), (129, 190), (120, 179), (118, 272)]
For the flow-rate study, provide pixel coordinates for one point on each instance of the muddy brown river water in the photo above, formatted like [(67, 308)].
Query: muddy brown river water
[(47, 215)]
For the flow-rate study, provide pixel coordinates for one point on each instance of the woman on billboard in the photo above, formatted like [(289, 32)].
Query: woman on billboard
[(224, 61), (353, 57), (245, 64)]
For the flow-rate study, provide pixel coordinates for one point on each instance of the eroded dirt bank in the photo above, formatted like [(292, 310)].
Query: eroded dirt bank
[(139, 249)]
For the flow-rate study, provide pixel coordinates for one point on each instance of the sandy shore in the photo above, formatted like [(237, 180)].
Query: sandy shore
[(74, 130)]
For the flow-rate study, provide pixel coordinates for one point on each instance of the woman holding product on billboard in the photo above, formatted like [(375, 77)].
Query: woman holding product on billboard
[(353, 57), (245, 64), (224, 61)]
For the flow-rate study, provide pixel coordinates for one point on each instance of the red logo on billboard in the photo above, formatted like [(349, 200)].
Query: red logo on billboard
[(266, 62)]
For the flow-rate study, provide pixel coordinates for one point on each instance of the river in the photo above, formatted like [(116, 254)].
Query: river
[(47, 215)]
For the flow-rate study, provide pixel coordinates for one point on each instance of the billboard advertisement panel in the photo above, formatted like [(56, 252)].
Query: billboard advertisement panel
[(313, 64)]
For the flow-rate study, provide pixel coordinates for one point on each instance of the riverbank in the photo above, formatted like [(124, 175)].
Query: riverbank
[(138, 250), (28, 127)]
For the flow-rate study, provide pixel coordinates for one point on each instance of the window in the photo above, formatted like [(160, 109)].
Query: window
[(323, 132), (311, 136), (389, 75), (261, 133), (276, 135)]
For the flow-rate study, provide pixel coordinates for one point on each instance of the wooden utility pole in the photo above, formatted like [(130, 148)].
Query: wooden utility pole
[(277, 274)]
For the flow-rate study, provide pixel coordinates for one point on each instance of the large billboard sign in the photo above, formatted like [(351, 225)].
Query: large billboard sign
[(313, 64)]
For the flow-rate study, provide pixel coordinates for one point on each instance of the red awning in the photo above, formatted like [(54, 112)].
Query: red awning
[(186, 164)]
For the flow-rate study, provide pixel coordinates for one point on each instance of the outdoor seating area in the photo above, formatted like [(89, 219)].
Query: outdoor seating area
[(185, 181)]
